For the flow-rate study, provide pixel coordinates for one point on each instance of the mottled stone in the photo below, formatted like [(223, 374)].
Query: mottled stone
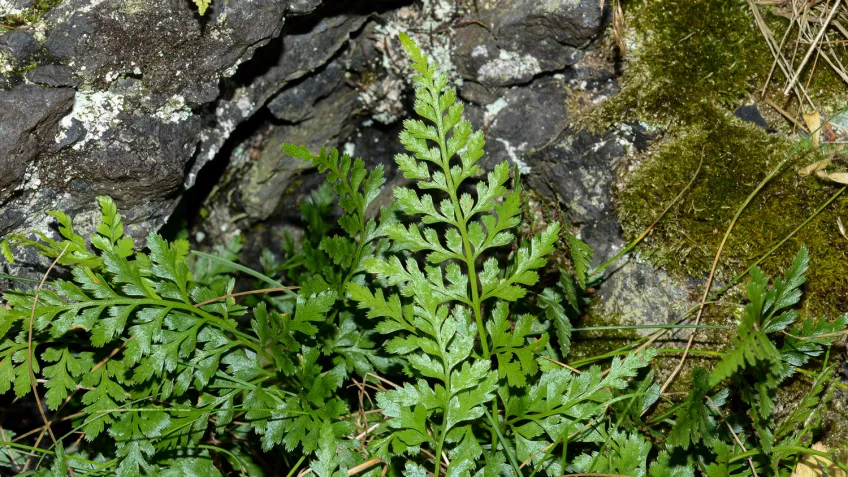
[(308, 44), (296, 102), (20, 44), (523, 38), (28, 118), (180, 55), (53, 75)]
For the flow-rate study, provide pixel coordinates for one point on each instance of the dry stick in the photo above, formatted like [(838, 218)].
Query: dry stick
[(812, 48), (786, 115), (775, 52), (251, 292), (359, 468), (840, 70), (776, 59), (744, 205), (573, 370), (30, 355)]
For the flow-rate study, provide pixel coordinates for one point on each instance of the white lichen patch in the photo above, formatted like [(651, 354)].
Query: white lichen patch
[(492, 111), (9, 8), (7, 63), (32, 178), (383, 97), (480, 50), (349, 148), (97, 111), (174, 110), (509, 66), (556, 6), (515, 154), (39, 31)]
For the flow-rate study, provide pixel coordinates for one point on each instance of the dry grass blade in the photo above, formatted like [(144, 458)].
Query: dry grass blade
[(32, 379), (813, 47), (735, 436), (251, 292), (838, 177)]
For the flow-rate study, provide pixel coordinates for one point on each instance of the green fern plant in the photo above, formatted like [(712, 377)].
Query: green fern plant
[(450, 321)]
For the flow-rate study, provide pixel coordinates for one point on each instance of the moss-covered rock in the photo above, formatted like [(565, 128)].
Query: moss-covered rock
[(686, 53), (736, 157)]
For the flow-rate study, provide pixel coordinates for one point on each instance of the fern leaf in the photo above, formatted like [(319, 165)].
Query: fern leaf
[(202, 5), (581, 256)]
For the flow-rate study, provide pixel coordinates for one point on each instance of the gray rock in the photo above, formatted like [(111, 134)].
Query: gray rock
[(751, 113), (20, 45), (162, 41), (14, 5), (302, 7), (524, 38), (306, 47), (144, 160), (53, 75), (131, 132), (578, 172), (636, 294), (524, 120), (295, 103), (258, 189), (28, 118)]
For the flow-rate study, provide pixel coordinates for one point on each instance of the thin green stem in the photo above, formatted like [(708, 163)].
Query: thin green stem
[(462, 225), (243, 269), (296, 466), (512, 461), (225, 451), (789, 449)]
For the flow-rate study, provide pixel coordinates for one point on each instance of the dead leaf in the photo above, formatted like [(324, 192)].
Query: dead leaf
[(814, 167), (838, 177), (813, 121), (815, 466), (841, 227)]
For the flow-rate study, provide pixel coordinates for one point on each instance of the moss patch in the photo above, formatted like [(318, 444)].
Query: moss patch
[(736, 157), (684, 53), (29, 16)]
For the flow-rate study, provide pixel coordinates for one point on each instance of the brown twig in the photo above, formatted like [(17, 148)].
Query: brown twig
[(251, 292), (30, 356), (786, 115)]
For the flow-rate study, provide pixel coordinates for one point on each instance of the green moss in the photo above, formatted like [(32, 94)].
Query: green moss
[(684, 53), (31, 15), (737, 156)]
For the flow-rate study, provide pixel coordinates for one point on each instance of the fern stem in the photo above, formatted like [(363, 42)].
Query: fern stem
[(462, 225)]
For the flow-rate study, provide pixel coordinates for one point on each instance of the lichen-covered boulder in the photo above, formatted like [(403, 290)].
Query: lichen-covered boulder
[(515, 40), (104, 98)]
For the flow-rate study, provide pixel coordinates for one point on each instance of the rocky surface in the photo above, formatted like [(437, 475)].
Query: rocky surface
[(156, 106)]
